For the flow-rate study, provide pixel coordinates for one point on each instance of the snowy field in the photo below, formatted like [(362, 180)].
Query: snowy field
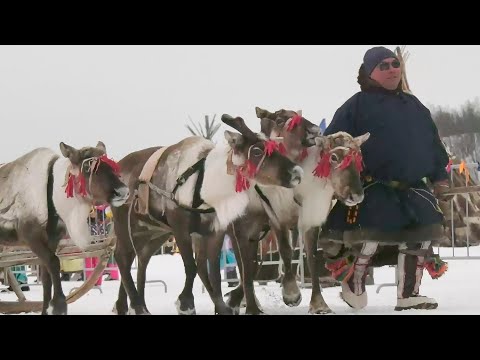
[(457, 292)]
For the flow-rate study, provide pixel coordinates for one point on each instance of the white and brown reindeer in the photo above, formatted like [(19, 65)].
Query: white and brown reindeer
[(221, 173), (331, 170), (43, 196), (268, 205)]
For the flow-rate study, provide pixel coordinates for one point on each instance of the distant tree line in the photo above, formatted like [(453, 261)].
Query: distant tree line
[(455, 122)]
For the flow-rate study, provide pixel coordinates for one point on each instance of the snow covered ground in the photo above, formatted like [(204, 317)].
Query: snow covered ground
[(457, 292)]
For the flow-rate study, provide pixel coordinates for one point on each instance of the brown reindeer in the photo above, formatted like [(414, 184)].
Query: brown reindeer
[(274, 207), (43, 196), (315, 197), (221, 183)]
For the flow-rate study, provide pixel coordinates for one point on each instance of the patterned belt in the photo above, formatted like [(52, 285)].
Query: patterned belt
[(393, 183)]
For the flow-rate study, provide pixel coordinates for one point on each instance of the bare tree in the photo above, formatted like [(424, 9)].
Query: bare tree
[(207, 130), (403, 56), (450, 122)]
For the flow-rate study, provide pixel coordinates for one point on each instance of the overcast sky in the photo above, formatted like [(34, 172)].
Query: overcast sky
[(132, 97)]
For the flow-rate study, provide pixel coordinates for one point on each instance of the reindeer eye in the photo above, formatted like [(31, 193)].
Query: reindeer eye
[(256, 151), (334, 158)]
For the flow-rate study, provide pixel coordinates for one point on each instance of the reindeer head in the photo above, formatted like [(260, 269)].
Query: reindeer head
[(94, 175), (257, 158), (296, 133), (340, 160)]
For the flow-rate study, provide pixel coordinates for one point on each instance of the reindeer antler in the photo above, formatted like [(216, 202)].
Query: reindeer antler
[(239, 124), (402, 57)]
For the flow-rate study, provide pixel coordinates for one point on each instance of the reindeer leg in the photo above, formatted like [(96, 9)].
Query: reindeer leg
[(121, 305), (179, 220), (144, 257), (248, 254), (290, 290), (124, 261), (47, 288), (124, 256), (214, 248), (202, 264), (37, 239), (317, 302), (235, 297)]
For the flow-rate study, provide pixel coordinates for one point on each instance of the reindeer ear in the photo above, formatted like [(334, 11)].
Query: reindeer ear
[(267, 126), (359, 140), (262, 113), (235, 140), (322, 142), (101, 146), (70, 153)]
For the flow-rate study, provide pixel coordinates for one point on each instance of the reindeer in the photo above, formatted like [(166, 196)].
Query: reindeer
[(250, 224), (220, 183), (315, 195), (44, 196)]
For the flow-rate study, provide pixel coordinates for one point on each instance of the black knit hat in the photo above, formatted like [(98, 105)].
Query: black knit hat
[(374, 56)]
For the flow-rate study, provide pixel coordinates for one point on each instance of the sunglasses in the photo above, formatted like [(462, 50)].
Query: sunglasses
[(384, 66)]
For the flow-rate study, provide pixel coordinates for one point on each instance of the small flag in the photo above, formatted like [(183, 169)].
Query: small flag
[(463, 168), (449, 166), (323, 125)]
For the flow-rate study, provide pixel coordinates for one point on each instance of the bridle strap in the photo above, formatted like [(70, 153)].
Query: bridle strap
[(261, 160)]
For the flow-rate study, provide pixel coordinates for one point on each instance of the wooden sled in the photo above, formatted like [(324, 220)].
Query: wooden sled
[(101, 247)]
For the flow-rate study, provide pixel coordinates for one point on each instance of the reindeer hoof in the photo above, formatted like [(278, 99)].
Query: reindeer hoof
[(233, 299), (225, 310), (138, 310), (186, 311), (292, 300), (255, 311), (119, 309), (323, 310), (58, 307)]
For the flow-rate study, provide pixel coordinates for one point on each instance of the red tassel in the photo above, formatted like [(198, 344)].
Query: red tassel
[(282, 149), (76, 184), (270, 147), (114, 165), (358, 162), (297, 119), (82, 190), (352, 156), (435, 274), (242, 182), (436, 268), (70, 185), (251, 169), (304, 155), (323, 167), (346, 161)]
